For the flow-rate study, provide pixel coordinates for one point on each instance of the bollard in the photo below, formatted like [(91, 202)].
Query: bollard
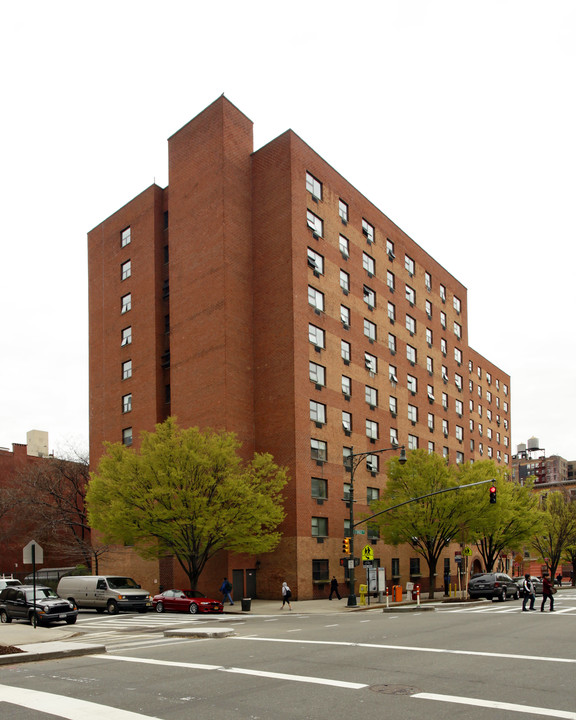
[(363, 589), (387, 598), (418, 595)]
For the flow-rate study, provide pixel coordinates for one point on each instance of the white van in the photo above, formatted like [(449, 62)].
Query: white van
[(8, 581), (105, 592)]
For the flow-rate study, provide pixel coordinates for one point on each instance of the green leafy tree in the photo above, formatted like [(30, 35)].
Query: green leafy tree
[(558, 528), (505, 525), (430, 524), (187, 493)]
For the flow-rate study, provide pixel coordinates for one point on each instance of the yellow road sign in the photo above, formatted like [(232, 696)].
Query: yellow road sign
[(367, 552)]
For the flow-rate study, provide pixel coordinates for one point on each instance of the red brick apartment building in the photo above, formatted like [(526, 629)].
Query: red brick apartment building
[(260, 292)]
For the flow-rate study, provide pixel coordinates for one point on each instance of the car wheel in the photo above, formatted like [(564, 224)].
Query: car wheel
[(159, 607), (35, 619), (193, 608), (112, 607), (4, 617), (516, 596), (503, 595), (70, 621)]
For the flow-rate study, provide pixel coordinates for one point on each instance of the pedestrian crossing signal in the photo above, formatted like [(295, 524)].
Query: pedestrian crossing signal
[(346, 546), (493, 493)]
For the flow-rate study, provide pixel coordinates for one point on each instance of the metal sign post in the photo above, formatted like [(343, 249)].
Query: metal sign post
[(32, 554)]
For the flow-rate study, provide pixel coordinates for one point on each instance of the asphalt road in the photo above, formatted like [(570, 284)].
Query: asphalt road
[(462, 662)]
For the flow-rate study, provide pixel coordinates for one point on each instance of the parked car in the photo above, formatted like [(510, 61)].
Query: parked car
[(105, 592), (8, 581), (493, 586), (536, 581), (191, 601), (17, 603)]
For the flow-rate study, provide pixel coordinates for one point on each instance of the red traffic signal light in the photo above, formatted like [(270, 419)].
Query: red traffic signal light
[(346, 546), (493, 493)]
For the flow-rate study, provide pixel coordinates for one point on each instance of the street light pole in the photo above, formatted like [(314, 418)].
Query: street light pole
[(355, 460)]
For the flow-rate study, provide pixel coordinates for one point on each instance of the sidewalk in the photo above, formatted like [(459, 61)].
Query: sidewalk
[(43, 643)]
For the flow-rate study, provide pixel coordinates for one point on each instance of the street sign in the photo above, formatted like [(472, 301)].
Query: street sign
[(33, 549), (467, 551), (359, 532), (367, 563), (367, 553), (457, 556)]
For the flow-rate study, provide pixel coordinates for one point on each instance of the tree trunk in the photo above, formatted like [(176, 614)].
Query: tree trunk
[(431, 578)]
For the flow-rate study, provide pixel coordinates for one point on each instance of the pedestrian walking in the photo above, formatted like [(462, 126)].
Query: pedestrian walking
[(334, 588), (559, 579), (547, 593), (529, 593), (286, 595), (226, 589)]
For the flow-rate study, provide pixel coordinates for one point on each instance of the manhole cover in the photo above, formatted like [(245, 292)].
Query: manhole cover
[(394, 689)]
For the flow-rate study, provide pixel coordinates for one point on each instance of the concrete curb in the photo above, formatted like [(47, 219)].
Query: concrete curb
[(205, 632), (49, 651)]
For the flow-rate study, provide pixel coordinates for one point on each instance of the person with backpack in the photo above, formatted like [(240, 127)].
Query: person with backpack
[(529, 593), (226, 589), (286, 595)]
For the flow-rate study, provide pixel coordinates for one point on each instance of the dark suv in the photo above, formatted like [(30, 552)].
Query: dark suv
[(495, 586), (17, 603)]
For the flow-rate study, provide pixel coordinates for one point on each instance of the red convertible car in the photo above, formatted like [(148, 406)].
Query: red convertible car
[(190, 601)]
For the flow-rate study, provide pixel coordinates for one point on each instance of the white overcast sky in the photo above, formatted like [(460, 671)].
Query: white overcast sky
[(457, 119)]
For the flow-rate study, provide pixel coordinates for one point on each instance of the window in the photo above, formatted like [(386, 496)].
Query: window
[(346, 497), (371, 395), (370, 363), (391, 312), (431, 421), (429, 309), (412, 442), (443, 346), (126, 336), (344, 282), (431, 447), (413, 414), (345, 351), (409, 264), (428, 281), (346, 385), (393, 405), (370, 330), (429, 336), (410, 295), (372, 429), (369, 297), (458, 381), (457, 304), (343, 210), (347, 460), (445, 401), (127, 436), (390, 249), (489, 378), (126, 369), (372, 495), (392, 343), (429, 365), (125, 237), (488, 396), (319, 527), (368, 231), (430, 393), (395, 567), (315, 262), (316, 335), (393, 437), (458, 330), (313, 186), (317, 412), (411, 354), (127, 403), (459, 408), (443, 320), (315, 223), (347, 421), (319, 488), (458, 355), (126, 303), (410, 324), (444, 373), (412, 384), (390, 280), (459, 433), (316, 299), (443, 293), (344, 246), (345, 316), (445, 427), (414, 566), (368, 264), (373, 463), (126, 269), (318, 450), (317, 373), (393, 374), (320, 571)]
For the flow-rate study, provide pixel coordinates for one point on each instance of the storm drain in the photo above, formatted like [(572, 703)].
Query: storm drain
[(395, 689)]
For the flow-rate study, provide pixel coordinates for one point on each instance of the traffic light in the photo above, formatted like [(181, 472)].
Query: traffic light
[(492, 493), (346, 546)]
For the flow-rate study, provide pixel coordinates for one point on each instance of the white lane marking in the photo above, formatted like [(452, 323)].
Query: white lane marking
[(494, 704), (334, 625), (240, 671), (65, 707), (375, 646)]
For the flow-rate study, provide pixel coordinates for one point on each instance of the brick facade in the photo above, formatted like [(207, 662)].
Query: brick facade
[(221, 277)]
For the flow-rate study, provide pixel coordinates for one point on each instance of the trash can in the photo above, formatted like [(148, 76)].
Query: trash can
[(415, 592), (397, 593), (246, 604)]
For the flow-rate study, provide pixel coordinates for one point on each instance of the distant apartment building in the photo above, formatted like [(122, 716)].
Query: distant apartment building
[(261, 293)]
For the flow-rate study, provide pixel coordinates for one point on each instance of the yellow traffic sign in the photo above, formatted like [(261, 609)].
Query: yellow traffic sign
[(367, 552), (467, 551)]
